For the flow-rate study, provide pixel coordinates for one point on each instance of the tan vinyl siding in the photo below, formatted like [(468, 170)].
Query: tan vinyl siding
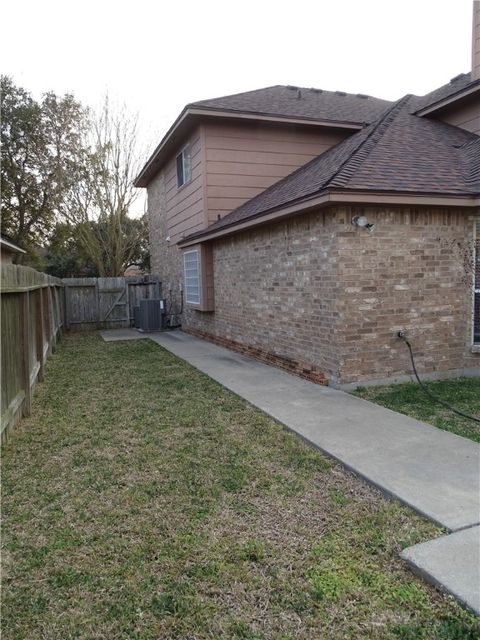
[(244, 159), (230, 163), (465, 116), (184, 205), (476, 41)]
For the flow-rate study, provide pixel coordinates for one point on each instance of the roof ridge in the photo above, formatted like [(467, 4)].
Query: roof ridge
[(353, 162), (233, 95)]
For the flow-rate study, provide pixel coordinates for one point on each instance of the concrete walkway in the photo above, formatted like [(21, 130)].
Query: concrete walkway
[(451, 563), (433, 471)]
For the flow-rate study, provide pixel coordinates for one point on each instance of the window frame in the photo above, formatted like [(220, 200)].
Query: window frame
[(187, 253), (186, 166), (204, 274)]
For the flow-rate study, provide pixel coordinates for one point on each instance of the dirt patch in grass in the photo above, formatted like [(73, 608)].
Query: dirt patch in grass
[(142, 500), (462, 393)]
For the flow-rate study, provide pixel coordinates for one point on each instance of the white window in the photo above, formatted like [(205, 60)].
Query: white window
[(184, 167), (191, 268), (476, 286)]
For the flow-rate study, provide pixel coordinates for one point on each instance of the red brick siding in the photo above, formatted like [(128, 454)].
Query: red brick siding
[(302, 369)]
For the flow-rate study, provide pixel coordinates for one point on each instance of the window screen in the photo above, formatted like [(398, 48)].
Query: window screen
[(184, 167), (192, 277), (180, 170)]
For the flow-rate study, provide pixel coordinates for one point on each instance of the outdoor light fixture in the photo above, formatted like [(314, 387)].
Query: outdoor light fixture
[(362, 221)]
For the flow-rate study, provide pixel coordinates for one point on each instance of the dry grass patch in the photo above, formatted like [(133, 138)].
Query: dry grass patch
[(143, 501)]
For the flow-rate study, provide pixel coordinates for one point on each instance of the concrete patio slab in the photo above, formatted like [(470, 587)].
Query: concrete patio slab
[(451, 563), (112, 335)]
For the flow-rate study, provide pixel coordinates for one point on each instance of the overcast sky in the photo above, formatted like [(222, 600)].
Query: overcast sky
[(156, 56)]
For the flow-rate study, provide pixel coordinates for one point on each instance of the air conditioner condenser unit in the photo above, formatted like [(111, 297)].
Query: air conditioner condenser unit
[(152, 314)]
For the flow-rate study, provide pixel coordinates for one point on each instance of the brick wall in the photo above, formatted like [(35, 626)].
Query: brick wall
[(276, 290), (165, 258), (413, 272), (330, 297)]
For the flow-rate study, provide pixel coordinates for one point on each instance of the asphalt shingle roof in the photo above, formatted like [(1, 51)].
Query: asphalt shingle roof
[(299, 102), (418, 155), (456, 85), (400, 152)]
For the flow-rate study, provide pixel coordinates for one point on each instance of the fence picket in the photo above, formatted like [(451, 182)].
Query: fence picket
[(26, 336), (106, 303)]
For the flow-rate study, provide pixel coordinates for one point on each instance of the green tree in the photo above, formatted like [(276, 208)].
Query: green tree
[(63, 164), (41, 158), (65, 257)]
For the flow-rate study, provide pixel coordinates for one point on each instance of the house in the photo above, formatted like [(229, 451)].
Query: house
[(8, 251), (307, 228)]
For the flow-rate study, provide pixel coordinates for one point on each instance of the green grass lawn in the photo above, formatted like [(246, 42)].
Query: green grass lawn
[(463, 394), (143, 501)]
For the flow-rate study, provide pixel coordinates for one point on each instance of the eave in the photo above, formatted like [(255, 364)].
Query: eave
[(191, 116), (330, 197), (9, 246), (471, 90)]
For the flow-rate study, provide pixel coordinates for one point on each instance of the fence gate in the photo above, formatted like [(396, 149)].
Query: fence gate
[(106, 303)]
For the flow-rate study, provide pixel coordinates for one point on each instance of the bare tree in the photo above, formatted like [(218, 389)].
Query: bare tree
[(100, 201)]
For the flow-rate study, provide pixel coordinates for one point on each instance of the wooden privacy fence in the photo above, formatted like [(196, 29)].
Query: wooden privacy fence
[(106, 303), (32, 309)]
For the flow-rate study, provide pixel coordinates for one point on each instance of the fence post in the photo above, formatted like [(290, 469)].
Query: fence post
[(60, 319), (66, 299), (97, 303), (40, 331), (127, 301), (25, 320), (56, 315), (48, 318)]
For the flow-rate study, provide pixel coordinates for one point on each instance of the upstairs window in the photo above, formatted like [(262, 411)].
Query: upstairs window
[(184, 167)]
